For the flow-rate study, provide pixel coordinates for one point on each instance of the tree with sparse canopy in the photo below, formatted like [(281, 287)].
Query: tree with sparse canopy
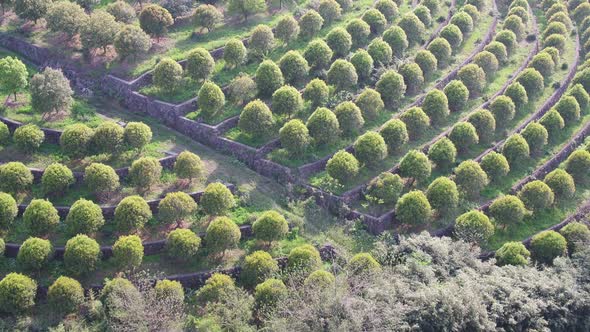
[(155, 20), (131, 41), (99, 31), (246, 8), (51, 92), (207, 16), (31, 9)]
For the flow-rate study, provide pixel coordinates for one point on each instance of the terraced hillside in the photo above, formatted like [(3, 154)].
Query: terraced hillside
[(170, 165)]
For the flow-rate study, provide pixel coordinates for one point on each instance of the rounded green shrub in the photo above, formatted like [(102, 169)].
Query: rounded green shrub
[(443, 195), (132, 213), (75, 140), (470, 178), (416, 121), (65, 295), (561, 183), (294, 137), (473, 227), (395, 134), (294, 67), (464, 136), (350, 117), (287, 101), (188, 166), (17, 293), (457, 95), (507, 210), (495, 165), (323, 126), (81, 255), (547, 246), (34, 253), (28, 138), (15, 177), (182, 244), (256, 119), (370, 148), (415, 165), (413, 208), (84, 217), (268, 78), (41, 217), (536, 195), (443, 153), (342, 167), (516, 149), (217, 199), (176, 207), (384, 189), (222, 234), (57, 178), (257, 267), (512, 253), (128, 252), (270, 226)]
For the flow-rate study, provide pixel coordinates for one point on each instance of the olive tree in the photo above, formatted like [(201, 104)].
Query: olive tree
[(121, 11), (66, 17), (31, 9), (99, 31), (13, 75), (50, 91), (155, 20), (131, 41)]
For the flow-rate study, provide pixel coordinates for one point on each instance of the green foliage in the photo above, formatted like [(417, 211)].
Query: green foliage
[(261, 41), (427, 63), (246, 8), (13, 75), (234, 53), (363, 64), (442, 51), (81, 255), (463, 21), (363, 263), (470, 178), (577, 91), (199, 64), (155, 20), (392, 87), (473, 227), (508, 38), (413, 208), (473, 77), (512, 253), (107, 137), (210, 99), (473, 12), (569, 109), (270, 226), (514, 23), (66, 17), (532, 81), (436, 106), (287, 29), (495, 165), (370, 148), (122, 12), (222, 234), (176, 207), (316, 92), (553, 122), (443, 195), (57, 178), (182, 244), (330, 10), (503, 109), (99, 31), (557, 41), (15, 177), (388, 8), (167, 75), (464, 136), (257, 267), (128, 252), (507, 210), (370, 103), (318, 54), (342, 167), (256, 119), (415, 165), (543, 63), (342, 75), (452, 34), (31, 9), (413, 77), (101, 178), (395, 134), (217, 199), (17, 293), (443, 153), (34, 253), (499, 50), (561, 183), (548, 245), (536, 195), (294, 137), (242, 89), (578, 164), (208, 16), (517, 94), (28, 138), (304, 259), (4, 134), (416, 121), (268, 294), (488, 62), (310, 24), (457, 95), (65, 295), (84, 217), (536, 136), (40, 217), (8, 210), (287, 101), (323, 126), (217, 287), (413, 27), (268, 78), (131, 41), (319, 279), (397, 39), (75, 140), (137, 135), (423, 13), (132, 213), (516, 149), (380, 51), (188, 166), (294, 67), (170, 291), (359, 32), (384, 189), (376, 21), (577, 236), (350, 117)]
